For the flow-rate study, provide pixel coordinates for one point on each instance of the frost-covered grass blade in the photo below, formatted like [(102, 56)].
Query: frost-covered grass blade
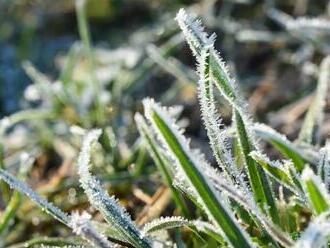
[(314, 115), (191, 167), (160, 161), (315, 191), (114, 214)]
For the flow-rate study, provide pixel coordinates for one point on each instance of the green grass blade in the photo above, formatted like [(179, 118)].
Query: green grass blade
[(45, 205), (10, 211), (176, 221), (275, 169), (212, 122), (314, 115), (246, 202), (199, 41), (191, 167), (315, 191), (280, 142), (160, 161), (261, 188)]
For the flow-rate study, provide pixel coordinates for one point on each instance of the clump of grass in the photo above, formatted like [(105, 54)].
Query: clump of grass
[(239, 207)]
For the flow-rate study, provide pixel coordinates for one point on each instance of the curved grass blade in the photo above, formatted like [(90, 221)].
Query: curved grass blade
[(49, 242), (315, 191), (113, 213), (177, 221), (280, 142), (160, 161), (191, 166), (314, 115)]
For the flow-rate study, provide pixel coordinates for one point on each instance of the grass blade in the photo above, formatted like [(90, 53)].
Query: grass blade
[(315, 191), (263, 194), (191, 168), (280, 142), (160, 161), (212, 123), (275, 169), (198, 41), (314, 115), (113, 213), (177, 221), (81, 225), (324, 165), (45, 205)]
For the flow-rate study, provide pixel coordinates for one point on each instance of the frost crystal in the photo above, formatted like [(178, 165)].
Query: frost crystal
[(108, 206), (82, 226)]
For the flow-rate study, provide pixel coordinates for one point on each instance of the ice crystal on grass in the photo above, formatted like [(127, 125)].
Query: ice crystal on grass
[(45, 205), (82, 226), (113, 213), (191, 166), (194, 32)]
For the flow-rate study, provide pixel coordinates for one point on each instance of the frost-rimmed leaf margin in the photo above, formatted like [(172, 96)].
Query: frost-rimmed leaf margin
[(286, 147), (160, 161), (81, 225), (199, 41), (46, 206), (112, 212), (164, 223), (217, 138), (190, 165), (316, 192)]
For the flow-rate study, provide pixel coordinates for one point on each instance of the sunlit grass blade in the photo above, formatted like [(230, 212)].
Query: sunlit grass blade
[(314, 115), (280, 142), (191, 167), (315, 191), (113, 213), (160, 161)]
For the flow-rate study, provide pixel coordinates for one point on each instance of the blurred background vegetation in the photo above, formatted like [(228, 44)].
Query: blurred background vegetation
[(66, 80)]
